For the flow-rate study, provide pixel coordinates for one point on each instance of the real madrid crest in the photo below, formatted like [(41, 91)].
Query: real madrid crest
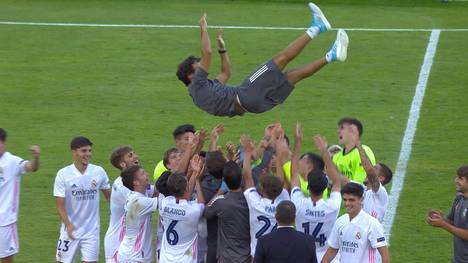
[(93, 184), (358, 235)]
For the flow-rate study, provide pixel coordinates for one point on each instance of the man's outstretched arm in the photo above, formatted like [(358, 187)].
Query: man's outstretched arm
[(225, 74), (205, 44)]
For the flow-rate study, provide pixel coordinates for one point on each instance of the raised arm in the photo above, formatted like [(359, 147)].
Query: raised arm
[(205, 44), (330, 167), (248, 147), (298, 134), (372, 178), (198, 167), (33, 165), (225, 74), (215, 133)]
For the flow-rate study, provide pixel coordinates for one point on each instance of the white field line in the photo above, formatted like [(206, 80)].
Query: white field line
[(407, 142), (220, 26)]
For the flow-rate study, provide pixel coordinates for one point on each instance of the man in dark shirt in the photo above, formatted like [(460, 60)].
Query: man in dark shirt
[(285, 244), (233, 218), (267, 86), (456, 221)]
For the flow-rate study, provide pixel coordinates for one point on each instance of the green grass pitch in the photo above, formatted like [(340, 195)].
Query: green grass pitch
[(118, 86)]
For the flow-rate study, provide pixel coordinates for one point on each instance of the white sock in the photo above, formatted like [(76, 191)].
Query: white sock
[(313, 31), (328, 57)]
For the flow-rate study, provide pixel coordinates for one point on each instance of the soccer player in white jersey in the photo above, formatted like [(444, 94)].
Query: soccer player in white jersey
[(121, 158), (315, 216), (11, 169), (136, 246), (375, 197), (356, 235), (262, 206), (180, 216), (76, 192)]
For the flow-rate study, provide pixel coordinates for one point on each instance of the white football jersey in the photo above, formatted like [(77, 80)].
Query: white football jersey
[(81, 193), (11, 167), (316, 219), (358, 239), (375, 204), (137, 244), (180, 222), (261, 214), (115, 232)]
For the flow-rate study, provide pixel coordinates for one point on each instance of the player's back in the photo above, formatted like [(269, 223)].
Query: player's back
[(261, 214), (376, 203), (316, 219), (180, 220)]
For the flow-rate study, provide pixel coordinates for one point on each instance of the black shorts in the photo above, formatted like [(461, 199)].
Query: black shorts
[(265, 88)]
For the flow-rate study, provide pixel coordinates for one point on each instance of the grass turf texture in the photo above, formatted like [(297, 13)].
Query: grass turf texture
[(118, 86)]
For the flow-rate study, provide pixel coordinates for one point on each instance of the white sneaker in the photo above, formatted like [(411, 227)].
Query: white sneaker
[(339, 50), (319, 20)]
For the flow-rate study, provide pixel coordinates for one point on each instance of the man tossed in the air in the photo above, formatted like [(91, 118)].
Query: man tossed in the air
[(267, 86)]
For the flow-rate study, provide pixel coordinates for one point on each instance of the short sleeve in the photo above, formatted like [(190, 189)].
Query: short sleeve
[(59, 186), (376, 235), (212, 208), (451, 214), (252, 196), (22, 166), (105, 180), (200, 208), (333, 240), (335, 200), (382, 194), (284, 195), (120, 193), (296, 195)]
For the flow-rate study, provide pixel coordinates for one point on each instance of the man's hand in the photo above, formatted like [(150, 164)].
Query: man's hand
[(35, 151), (298, 132), (217, 131), (231, 151), (70, 227), (197, 166), (220, 40), (247, 144), (203, 24), (320, 143)]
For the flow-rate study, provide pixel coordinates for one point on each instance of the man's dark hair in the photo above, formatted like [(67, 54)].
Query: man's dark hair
[(185, 69), (271, 186), (286, 138), (167, 154), (215, 163), (463, 171), (285, 213), (315, 160), (232, 175), (79, 142), (161, 183), (317, 182), (353, 189), (118, 154), (128, 176), (386, 172), (352, 121), (177, 184), (3, 135), (182, 129), (202, 154)]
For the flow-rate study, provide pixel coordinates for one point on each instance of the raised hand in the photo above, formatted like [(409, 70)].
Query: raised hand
[(35, 150), (220, 40), (320, 143), (298, 132), (231, 151), (203, 24), (247, 144), (217, 131)]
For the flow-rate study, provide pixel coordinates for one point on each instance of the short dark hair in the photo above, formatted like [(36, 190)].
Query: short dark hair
[(161, 183), (314, 159), (167, 154), (285, 213), (271, 186), (352, 121), (182, 129), (177, 184), (232, 175), (353, 189), (185, 68), (79, 142), (128, 176), (118, 154), (215, 163), (386, 172), (317, 182), (463, 171), (3, 135)]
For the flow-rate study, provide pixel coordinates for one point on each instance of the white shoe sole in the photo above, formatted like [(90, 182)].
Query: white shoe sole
[(316, 10), (342, 49)]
